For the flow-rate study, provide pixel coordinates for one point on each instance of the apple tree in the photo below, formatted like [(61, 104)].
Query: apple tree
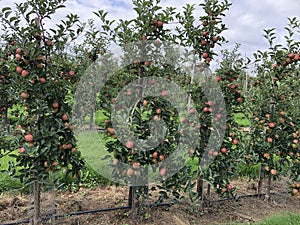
[(275, 107), (42, 76)]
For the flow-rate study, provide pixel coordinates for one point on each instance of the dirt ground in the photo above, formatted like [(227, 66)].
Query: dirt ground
[(246, 210)]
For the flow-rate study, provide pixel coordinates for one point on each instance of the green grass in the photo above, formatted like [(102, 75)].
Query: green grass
[(93, 150), (285, 218)]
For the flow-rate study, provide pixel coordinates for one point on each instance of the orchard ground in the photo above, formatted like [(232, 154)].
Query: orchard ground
[(245, 211), (15, 205)]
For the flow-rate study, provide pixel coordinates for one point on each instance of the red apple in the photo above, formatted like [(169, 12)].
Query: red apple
[(129, 144), (154, 155), (164, 93), (161, 157), (204, 55), (239, 99), (19, 50), (24, 95), (156, 117), (42, 80), (271, 125), (270, 140), (163, 172), (18, 57), (19, 69), (24, 73), (147, 63), (204, 33), (28, 138), (160, 23), (55, 105), (292, 55), (64, 117), (22, 149), (158, 111), (224, 150), (235, 141), (71, 73)]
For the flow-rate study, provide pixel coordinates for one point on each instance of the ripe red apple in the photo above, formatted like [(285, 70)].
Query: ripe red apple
[(147, 63), (129, 172), (292, 55), (205, 55), (145, 103), (223, 150), (294, 135), (203, 42), (42, 80), (208, 60), (266, 155), (55, 105), (19, 50), (24, 73), (154, 155), (48, 43), (18, 57), (64, 117), (297, 57), (160, 23), (270, 140), (229, 187), (273, 171), (215, 39), (235, 141), (164, 93), (204, 33), (22, 149), (135, 165), (129, 144), (156, 118), (218, 78), (163, 172), (19, 69), (271, 125), (24, 95), (161, 157), (71, 73), (282, 113), (206, 109), (296, 141), (28, 138), (158, 111), (239, 99)]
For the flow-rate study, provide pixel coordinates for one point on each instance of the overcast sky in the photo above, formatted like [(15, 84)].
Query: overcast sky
[(245, 20)]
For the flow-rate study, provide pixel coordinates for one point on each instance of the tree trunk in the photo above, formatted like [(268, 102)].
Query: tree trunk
[(260, 180), (269, 187), (37, 203)]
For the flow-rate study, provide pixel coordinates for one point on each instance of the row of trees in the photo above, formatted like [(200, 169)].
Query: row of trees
[(41, 81)]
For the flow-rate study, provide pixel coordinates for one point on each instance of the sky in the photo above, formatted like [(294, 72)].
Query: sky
[(245, 20)]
